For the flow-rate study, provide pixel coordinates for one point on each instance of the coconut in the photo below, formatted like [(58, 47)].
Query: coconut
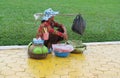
[(44, 49), (37, 50)]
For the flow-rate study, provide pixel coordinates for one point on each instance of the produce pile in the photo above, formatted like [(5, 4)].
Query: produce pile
[(79, 47), (37, 49)]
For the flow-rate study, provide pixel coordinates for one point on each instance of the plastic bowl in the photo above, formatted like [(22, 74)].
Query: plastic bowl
[(61, 54)]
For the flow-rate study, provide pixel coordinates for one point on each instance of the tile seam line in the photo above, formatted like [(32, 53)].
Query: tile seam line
[(88, 44)]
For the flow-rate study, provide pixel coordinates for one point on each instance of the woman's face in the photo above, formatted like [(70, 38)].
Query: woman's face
[(52, 18)]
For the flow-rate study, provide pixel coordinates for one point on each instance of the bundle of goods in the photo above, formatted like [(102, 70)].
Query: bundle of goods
[(37, 50), (62, 50), (79, 47)]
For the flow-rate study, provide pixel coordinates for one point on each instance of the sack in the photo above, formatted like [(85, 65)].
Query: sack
[(79, 24)]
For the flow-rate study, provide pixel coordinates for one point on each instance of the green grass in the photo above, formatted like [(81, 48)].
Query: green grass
[(17, 21)]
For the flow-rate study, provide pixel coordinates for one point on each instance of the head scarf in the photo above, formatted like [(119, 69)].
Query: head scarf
[(48, 13)]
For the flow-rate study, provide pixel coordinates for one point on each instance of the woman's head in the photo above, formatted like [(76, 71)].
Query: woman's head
[(49, 14)]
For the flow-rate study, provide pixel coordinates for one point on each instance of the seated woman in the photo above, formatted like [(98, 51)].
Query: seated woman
[(57, 32)]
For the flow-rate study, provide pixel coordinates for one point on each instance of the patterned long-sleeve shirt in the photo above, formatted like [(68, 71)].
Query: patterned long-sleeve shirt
[(50, 28)]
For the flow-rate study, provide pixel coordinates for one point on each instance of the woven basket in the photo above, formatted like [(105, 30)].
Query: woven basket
[(36, 56), (78, 50), (33, 55)]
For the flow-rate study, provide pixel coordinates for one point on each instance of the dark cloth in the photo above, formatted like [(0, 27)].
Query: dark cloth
[(53, 38)]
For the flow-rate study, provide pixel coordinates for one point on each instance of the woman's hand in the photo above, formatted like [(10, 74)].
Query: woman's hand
[(65, 36)]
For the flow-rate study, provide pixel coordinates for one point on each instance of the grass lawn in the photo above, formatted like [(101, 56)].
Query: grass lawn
[(17, 21)]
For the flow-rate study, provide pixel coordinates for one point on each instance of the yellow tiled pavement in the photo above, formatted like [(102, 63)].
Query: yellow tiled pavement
[(102, 61)]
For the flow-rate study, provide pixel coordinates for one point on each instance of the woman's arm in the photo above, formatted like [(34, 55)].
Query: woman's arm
[(51, 30), (64, 34), (61, 26)]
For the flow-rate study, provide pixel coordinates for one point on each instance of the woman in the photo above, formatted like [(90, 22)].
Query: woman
[(57, 32)]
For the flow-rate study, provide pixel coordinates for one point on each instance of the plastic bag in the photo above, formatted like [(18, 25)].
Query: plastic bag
[(62, 47), (45, 34), (38, 41), (79, 25)]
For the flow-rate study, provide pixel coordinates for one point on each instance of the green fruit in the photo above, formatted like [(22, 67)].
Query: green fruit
[(44, 49), (37, 50)]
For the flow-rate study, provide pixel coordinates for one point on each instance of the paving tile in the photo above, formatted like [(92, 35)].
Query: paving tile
[(22, 74), (53, 76), (2, 64), (18, 69), (1, 76), (12, 76), (64, 77), (7, 72)]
